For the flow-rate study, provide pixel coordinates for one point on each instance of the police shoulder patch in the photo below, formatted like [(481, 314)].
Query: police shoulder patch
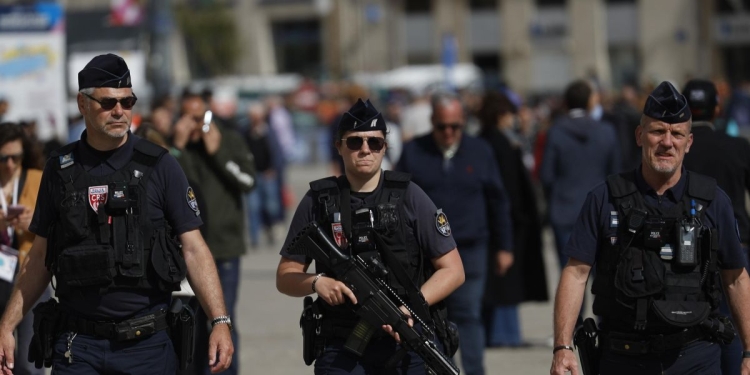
[(191, 201), (441, 223)]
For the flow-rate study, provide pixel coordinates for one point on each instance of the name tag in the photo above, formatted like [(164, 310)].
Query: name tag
[(613, 221)]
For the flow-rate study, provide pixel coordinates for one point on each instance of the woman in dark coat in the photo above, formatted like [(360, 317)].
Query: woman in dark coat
[(526, 280)]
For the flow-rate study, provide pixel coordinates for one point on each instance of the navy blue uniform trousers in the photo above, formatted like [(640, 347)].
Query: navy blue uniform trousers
[(152, 355), (698, 358)]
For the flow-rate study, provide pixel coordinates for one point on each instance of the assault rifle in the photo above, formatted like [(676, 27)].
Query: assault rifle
[(373, 304)]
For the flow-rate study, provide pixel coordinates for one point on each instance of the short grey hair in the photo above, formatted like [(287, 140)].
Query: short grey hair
[(87, 91), (443, 99)]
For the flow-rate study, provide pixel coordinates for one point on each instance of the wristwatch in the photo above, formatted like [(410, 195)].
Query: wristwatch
[(222, 319)]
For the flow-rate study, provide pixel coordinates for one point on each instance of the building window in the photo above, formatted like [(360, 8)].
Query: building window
[(418, 6), (550, 3), (483, 4), (732, 6), (298, 46)]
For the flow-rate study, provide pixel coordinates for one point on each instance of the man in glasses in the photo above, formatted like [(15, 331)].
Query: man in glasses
[(217, 156), (110, 212), (421, 252), (458, 172)]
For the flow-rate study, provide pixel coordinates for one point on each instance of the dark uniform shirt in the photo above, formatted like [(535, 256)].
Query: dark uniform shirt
[(166, 194), (595, 219), (420, 217)]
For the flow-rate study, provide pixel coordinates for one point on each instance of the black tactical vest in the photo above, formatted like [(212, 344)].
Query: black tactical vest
[(103, 237), (389, 223), (643, 283)]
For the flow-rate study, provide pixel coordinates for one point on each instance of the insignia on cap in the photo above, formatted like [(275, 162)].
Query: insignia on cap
[(191, 201), (666, 104), (441, 223), (361, 114)]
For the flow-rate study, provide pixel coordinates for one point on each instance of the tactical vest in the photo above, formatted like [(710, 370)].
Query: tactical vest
[(328, 193), (102, 236), (643, 283)]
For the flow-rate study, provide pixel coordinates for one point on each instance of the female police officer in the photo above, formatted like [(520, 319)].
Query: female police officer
[(424, 235)]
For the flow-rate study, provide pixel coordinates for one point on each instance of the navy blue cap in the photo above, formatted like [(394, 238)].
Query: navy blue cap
[(362, 117), (667, 104), (105, 71), (702, 98)]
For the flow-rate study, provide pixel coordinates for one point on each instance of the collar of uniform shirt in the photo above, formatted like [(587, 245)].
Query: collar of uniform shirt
[(576, 113), (450, 152)]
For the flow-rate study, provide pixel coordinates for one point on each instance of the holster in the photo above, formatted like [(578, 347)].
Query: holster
[(310, 322), (46, 319), (585, 340), (181, 319)]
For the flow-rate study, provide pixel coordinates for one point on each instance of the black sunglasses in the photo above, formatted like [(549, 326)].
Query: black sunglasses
[(15, 157), (355, 143), (109, 103), (453, 127)]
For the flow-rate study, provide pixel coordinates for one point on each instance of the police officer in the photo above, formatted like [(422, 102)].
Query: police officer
[(727, 159), (422, 242), (110, 210), (659, 237)]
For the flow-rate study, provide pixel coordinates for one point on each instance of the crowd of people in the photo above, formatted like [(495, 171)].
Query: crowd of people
[(517, 163)]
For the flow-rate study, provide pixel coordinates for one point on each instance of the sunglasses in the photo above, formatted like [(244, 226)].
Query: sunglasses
[(454, 127), (109, 103), (15, 157), (355, 143)]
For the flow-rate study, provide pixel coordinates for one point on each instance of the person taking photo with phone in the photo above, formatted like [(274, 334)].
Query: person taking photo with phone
[(20, 175)]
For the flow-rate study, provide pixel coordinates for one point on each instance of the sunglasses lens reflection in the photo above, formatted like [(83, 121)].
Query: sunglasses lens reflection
[(109, 103), (373, 143)]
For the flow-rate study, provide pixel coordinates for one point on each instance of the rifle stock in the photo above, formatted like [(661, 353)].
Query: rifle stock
[(373, 304)]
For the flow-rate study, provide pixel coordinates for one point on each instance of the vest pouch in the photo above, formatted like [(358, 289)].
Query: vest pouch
[(167, 259), (86, 265), (682, 313), (74, 218), (640, 273), (130, 253)]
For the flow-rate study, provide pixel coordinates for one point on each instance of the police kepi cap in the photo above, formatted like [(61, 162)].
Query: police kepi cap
[(362, 117), (105, 71), (702, 97), (666, 104)]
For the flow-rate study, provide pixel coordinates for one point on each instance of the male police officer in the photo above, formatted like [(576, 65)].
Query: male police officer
[(727, 159), (108, 210), (658, 236), (417, 233)]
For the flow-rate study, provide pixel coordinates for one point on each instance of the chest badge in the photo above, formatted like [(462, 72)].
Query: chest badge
[(338, 234), (97, 196), (66, 160), (613, 240), (441, 223)]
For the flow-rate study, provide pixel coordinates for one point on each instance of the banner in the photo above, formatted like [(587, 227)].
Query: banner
[(32, 70)]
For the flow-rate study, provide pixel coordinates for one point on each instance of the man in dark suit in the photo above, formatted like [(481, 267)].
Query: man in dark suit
[(726, 159)]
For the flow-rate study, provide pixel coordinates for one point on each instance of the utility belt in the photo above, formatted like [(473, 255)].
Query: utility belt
[(130, 329), (719, 329), (634, 344)]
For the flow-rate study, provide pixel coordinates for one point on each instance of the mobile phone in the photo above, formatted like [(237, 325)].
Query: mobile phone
[(207, 117), (14, 210)]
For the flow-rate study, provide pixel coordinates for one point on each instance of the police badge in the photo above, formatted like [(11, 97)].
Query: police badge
[(441, 223), (97, 196), (191, 201)]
